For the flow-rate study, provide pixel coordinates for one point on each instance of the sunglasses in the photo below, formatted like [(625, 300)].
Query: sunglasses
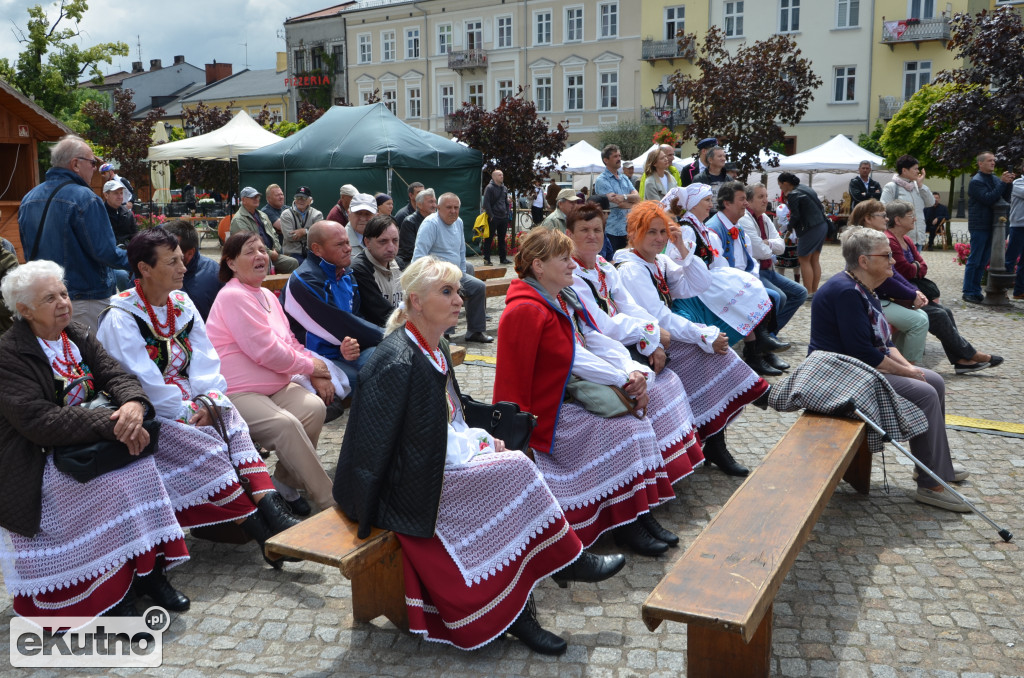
[(92, 161)]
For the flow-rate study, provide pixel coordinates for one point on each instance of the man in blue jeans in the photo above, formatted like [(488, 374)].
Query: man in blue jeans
[(984, 191), (766, 244)]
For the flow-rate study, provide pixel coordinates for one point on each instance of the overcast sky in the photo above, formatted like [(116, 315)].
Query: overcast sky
[(202, 31)]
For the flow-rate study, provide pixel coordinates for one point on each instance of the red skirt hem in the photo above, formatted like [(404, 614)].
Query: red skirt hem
[(733, 409)]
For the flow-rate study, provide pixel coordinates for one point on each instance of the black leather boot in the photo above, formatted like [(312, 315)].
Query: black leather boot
[(656, 530), (775, 361), (528, 630), (639, 540), (762, 400), (718, 454), (766, 342), (274, 511), (590, 568), (156, 586), (256, 528), (125, 608), (754, 358)]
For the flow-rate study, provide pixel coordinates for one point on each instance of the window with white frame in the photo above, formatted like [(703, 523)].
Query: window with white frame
[(845, 84), (789, 16), (574, 24), (412, 43), (608, 20), (542, 20), (444, 39), (733, 15), (847, 13), (475, 94), (921, 9), (365, 48), (542, 93), (388, 46), (413, 102), (475, 34), (447, 99), (504, 24), (609, 89), (675, 21), (389, 96), (364, 96), (574, 92), (916, 74), (505, 90)]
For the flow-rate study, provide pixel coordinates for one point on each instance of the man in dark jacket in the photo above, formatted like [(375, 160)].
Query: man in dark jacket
[(414, 190), (984, 191), (863, 187), (376, 272), (426, 204), (77, 232), (714, 175), (700, 163), (201, 273), (496, 206), (122, 221)]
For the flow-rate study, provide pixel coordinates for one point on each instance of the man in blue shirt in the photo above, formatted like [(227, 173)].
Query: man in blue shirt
[(615, 186), (983, 192)]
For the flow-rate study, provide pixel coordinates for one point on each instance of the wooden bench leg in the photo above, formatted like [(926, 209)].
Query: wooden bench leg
[(714, 653), (378, 588), (858, 474)]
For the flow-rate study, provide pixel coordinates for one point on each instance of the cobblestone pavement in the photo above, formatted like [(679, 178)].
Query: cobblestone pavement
[(885, 586)]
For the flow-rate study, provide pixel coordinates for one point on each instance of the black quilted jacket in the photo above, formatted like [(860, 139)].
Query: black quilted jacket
[(391, 466), (32, 421)]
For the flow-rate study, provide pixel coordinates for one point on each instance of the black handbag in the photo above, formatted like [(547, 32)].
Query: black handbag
[(88, 461), (927, 287), (504, 420)]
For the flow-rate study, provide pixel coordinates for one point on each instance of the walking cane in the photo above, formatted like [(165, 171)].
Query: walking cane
[(1003, 532)]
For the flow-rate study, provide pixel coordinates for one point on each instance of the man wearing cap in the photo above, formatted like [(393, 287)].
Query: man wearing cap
[(250, 218), (426, 204), (442, 235), (76, 232), (360, 211), (274, 206), (108, 173), (399, 216), (620, 193), (495, 204), (339, 212), (295, 223), (628, 170), (122, 221), (565, 201), (701, 163)]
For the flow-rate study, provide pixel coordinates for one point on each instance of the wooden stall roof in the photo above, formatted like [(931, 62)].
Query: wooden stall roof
[(46, 127)]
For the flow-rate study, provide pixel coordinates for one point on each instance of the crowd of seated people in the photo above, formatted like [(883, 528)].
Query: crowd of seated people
[(628, 368)]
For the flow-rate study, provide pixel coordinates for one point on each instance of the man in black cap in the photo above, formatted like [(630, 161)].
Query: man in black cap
[(296, 222), (701, 163)]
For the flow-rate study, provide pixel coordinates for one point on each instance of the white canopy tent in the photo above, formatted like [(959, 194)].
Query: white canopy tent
[(581, 158), (241, 135), (827, 168), (638, 162)]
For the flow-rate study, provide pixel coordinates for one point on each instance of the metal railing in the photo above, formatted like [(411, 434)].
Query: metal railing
[(888, 107), (468, 58), (916, 30), (662, 116), (666, 49)]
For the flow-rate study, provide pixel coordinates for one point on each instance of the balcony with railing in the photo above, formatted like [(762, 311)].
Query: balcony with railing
[(453, 125), (665, 116), (467, 59), (888, 107), (654, 50), (916, 31)]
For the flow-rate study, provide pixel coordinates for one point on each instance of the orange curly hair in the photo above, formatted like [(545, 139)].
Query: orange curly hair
[(640, 218)]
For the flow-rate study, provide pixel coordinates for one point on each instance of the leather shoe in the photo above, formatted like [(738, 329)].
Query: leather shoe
[(273, 509), (656, 530), (590, 568), (715, 452), (754, 358), (775, 361), (479, 338), (156, 586), (504, 262), (762, 400), (487, 262), (769, 344), (529, 631), (973, 298), (300, 507), (639, 540), (125, 608)]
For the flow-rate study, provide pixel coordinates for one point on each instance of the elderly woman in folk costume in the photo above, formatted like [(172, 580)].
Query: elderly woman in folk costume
[(155, 332), (717, 382)]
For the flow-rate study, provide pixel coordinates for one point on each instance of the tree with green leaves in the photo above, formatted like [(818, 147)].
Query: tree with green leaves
[(631, 136), (873, 142), (51, 64), (908, 134), (123, 138), (745, 97)]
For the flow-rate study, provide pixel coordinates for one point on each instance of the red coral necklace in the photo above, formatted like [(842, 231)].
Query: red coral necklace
[(159, 327), (602, 279), (67, 366), (426, 347)]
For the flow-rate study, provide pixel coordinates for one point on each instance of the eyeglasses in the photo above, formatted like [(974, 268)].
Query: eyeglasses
[(92, 161), (889, 255), (879, 214)]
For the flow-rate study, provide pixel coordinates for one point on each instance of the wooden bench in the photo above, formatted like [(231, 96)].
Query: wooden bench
[(489, 272), (724, 586), (497, 287), (373, 565), (276, 281)]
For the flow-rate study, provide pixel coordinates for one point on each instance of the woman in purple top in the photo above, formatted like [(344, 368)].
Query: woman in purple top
[(846, 318)]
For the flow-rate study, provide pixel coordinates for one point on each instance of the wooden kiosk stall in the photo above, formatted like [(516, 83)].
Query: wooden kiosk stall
[(22, 126)]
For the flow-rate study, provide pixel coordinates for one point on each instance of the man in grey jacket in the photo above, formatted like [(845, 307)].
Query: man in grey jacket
[(496, 206), (1015, 247)]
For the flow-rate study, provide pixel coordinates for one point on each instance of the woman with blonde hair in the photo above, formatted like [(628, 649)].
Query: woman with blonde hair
[(658, 181), (478, 526)]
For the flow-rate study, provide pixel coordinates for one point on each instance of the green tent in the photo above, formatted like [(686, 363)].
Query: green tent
[(368, 147)]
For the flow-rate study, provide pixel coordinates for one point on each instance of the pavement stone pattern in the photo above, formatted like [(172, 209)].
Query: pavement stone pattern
[(885, 586)]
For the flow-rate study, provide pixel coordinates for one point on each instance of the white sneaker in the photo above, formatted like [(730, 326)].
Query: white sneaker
[(960, 474), (942, 500)]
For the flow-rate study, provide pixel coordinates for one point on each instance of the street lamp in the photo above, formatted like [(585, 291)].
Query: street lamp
[(663, 108)]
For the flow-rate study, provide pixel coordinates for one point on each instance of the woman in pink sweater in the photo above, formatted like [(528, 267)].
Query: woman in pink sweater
[(259, 356)]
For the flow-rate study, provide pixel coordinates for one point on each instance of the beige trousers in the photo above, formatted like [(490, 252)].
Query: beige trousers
[(289, 422)]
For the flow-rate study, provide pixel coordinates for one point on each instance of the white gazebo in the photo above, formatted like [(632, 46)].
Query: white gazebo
[(828, 168), (240, 135)]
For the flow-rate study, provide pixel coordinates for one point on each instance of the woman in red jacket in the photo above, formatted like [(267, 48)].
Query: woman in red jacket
[(605, 472)]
